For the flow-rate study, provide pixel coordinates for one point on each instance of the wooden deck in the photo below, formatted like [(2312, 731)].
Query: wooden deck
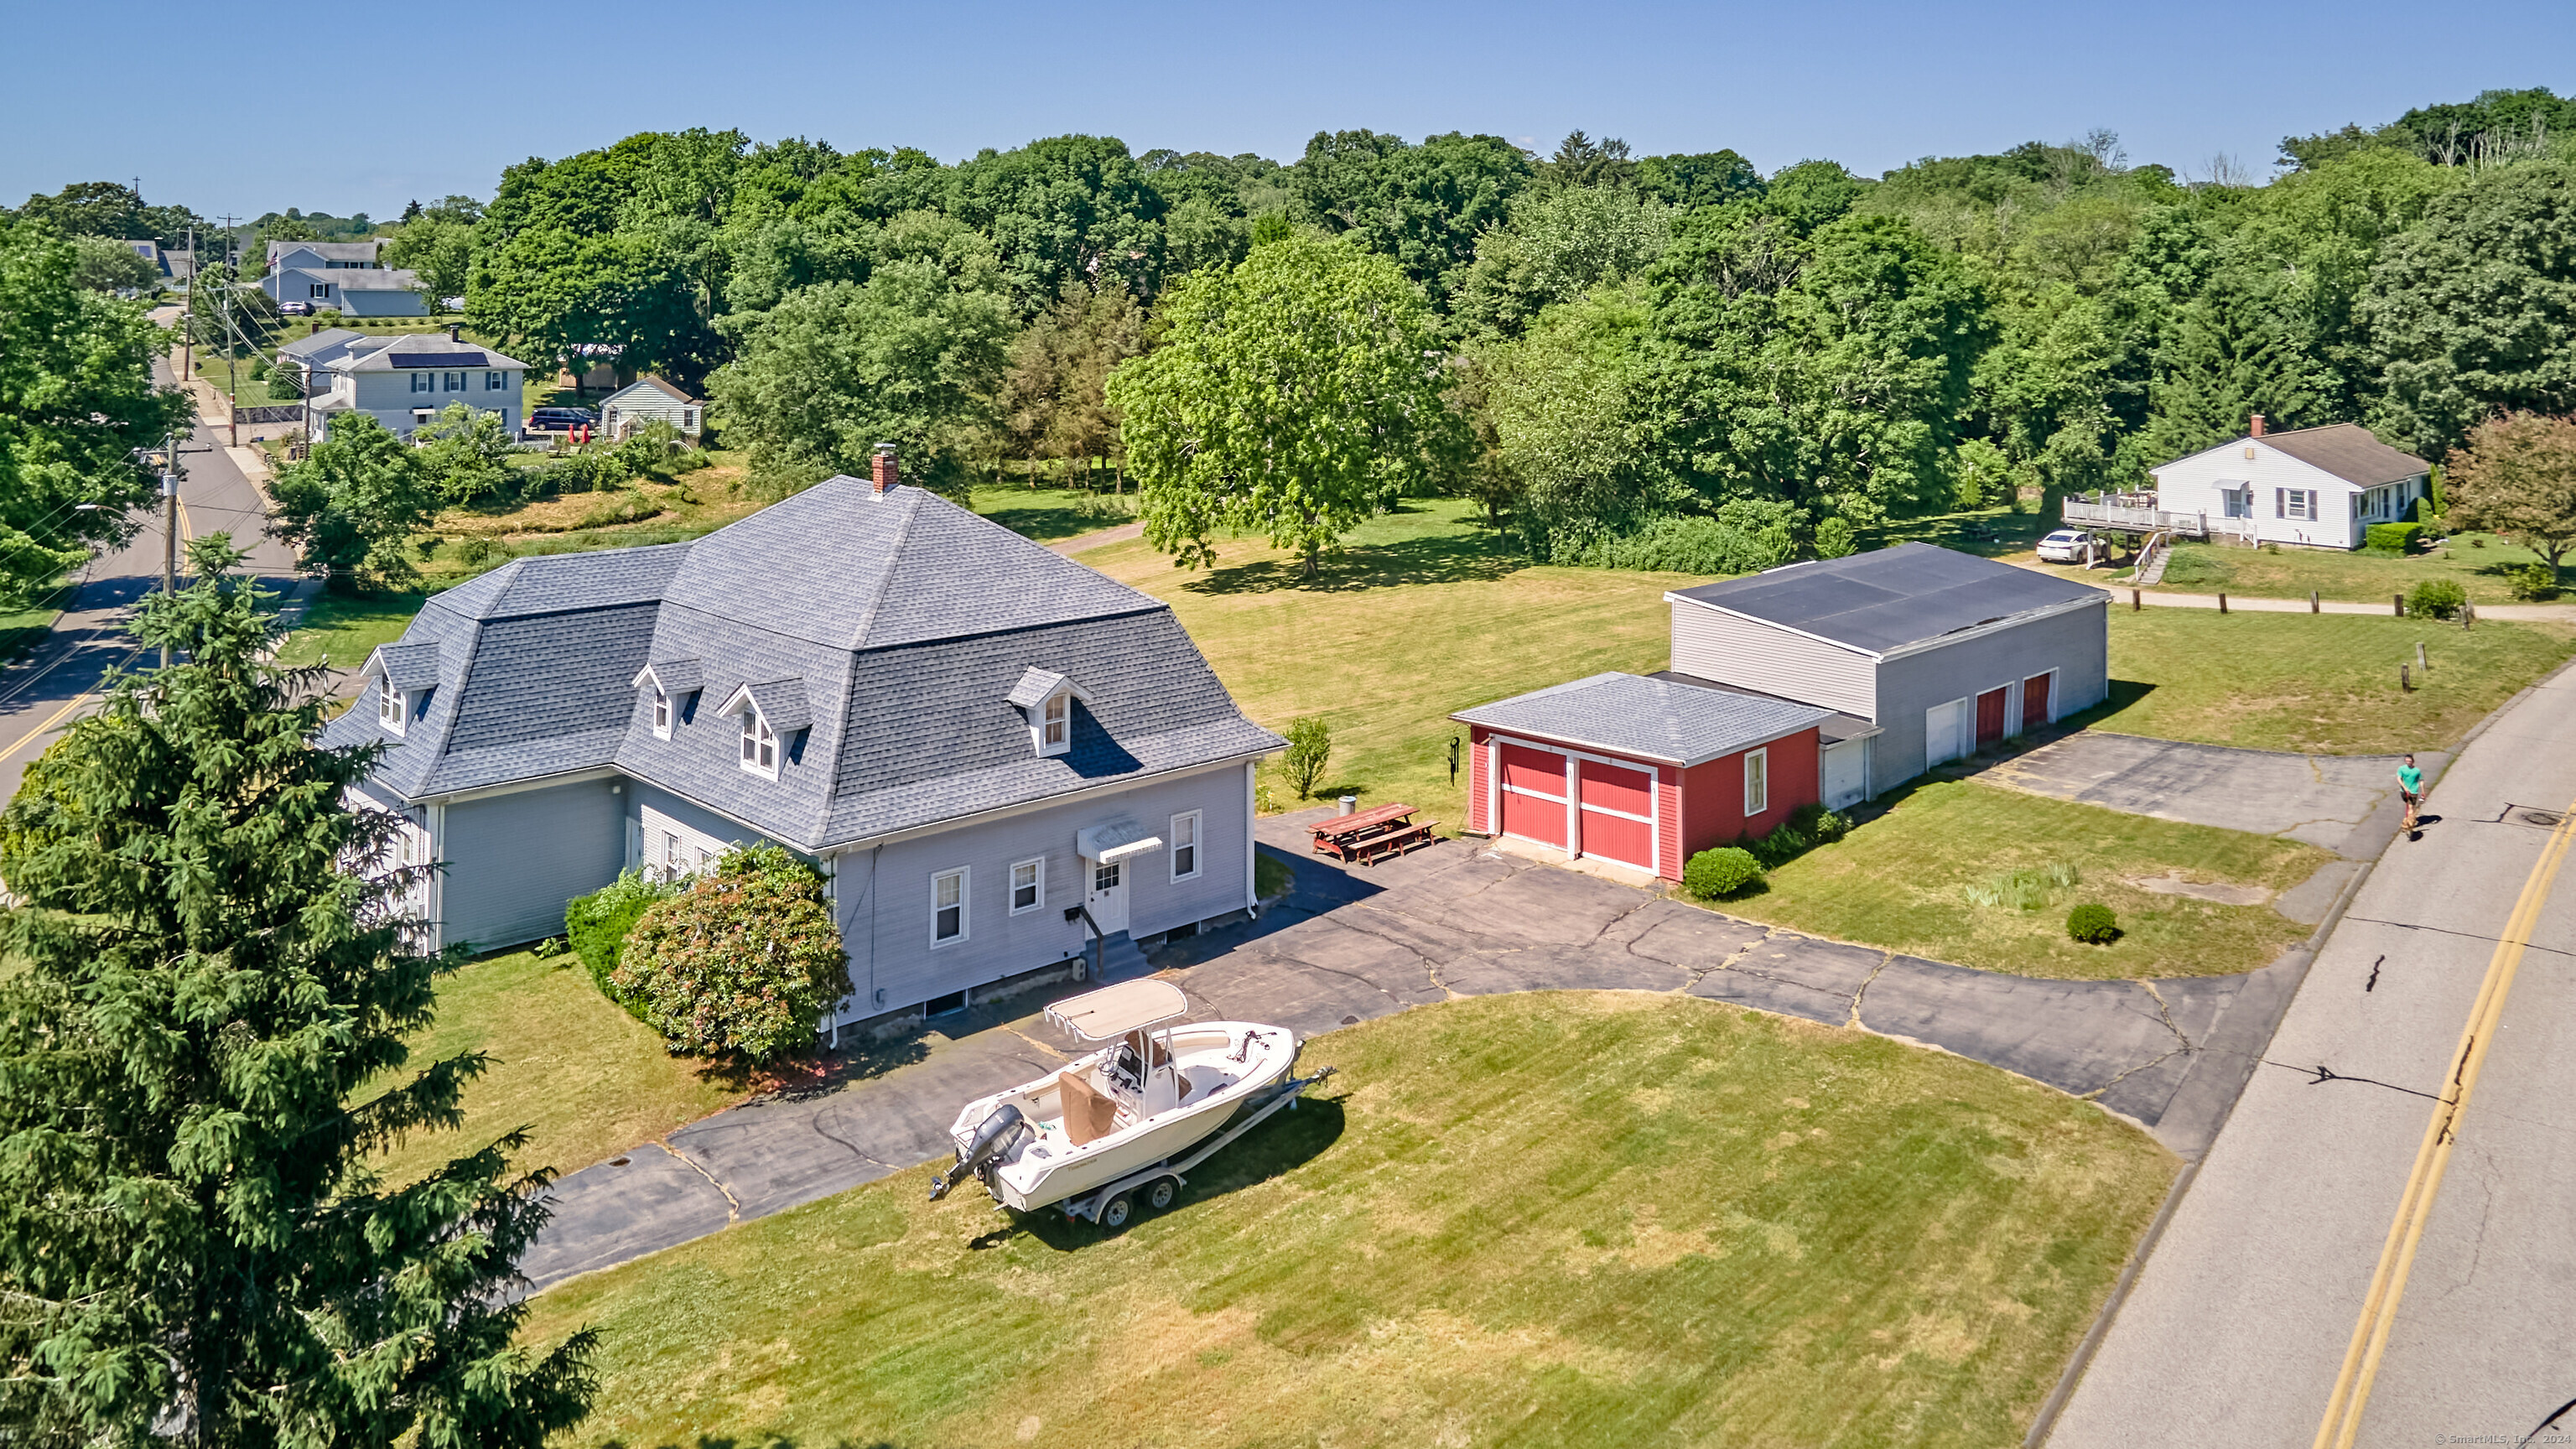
[(2137, 513)]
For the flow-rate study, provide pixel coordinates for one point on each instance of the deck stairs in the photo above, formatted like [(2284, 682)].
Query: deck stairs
[(2152, 559), (1121, 958)]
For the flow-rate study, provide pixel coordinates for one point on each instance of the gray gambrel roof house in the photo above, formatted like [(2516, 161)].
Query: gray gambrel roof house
[(889, 640)]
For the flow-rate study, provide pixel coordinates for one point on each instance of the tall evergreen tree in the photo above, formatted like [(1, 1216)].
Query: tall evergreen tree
[(193, 1245)]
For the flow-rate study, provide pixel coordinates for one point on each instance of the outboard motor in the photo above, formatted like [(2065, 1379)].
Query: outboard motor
[(996, 1142)]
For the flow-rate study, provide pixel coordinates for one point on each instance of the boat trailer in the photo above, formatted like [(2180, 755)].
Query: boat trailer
[(1114, 1204)]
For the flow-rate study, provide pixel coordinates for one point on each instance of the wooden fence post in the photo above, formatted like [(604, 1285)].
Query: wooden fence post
[(2133, 601), (2468, 615), (2421, 667), (2222, 603), (2398, 601), (2312, 603), (2405, 685)]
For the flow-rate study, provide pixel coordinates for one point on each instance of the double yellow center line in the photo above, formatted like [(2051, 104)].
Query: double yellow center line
[(2388, 1284)]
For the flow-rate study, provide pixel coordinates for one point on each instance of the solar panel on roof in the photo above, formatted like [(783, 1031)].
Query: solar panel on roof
[(438, 359)]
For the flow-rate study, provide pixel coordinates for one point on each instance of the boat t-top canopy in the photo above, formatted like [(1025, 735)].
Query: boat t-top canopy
[(1114, 1011)]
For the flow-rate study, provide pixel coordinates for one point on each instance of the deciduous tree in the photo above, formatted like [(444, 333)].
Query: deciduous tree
[(353, 503), (1290, 396), (2517, 477), (208, 993)]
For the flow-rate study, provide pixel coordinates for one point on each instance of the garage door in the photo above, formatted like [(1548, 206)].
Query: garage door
[(1618, 813), (2035, 701), (1945, 732), (1990, 717), (1533, 791), (1846, 773)]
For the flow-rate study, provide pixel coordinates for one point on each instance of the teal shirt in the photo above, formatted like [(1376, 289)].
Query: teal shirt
[(2411, 778)]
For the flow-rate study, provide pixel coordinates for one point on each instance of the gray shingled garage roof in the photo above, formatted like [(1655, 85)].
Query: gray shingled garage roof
[(1654, 719), (1880, 602)]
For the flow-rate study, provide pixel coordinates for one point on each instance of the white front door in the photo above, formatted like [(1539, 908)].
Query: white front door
[(1106, 896)]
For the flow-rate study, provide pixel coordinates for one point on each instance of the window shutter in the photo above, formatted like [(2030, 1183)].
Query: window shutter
[(2280, 503)]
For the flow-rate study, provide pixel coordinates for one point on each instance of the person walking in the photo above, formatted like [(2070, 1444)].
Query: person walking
[(2410, 784)]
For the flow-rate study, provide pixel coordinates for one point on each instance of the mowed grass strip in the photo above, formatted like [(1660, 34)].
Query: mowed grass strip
[(2315, 683), (1905, 880), (1427, 612), (585, 1079), (1562, 1219)]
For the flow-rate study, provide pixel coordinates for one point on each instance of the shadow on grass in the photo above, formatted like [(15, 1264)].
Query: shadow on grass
[(1447, 559), (757, 1441), (2124, 693), (1279, 1146), (1986, 532)]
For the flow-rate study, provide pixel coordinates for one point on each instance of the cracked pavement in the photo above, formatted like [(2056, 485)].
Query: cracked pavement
[(1450, 921), (2348, 804)]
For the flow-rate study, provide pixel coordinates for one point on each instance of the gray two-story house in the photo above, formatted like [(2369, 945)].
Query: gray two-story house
[(405, 381), (977, 742), (345, 277)]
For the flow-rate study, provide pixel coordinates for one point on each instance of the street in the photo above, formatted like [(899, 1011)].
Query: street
[(60, 679), (2376, 1249)]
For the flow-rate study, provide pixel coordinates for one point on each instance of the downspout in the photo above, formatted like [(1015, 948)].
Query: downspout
[(1251, 805), (875, 1000)]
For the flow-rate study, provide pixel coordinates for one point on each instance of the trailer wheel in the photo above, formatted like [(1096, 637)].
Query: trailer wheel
[(1115, 1213), (1160, 1194)]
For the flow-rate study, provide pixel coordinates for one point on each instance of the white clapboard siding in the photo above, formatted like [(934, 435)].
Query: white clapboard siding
[(1731, 649)]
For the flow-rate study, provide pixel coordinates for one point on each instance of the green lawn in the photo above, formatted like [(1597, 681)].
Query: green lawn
[(1905, 879), (583, 1077), (1425, 614), (2481, 564), (342, 629), (1048, 514), (1566, 1219), (2320, 683)]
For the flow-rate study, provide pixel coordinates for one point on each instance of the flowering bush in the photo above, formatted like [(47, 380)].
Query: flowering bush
[(746, 960)]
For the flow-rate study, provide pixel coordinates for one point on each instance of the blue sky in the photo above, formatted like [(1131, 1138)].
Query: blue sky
[(363, 107)]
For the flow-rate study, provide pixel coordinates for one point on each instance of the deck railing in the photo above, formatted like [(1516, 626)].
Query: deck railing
[(2137, 513)]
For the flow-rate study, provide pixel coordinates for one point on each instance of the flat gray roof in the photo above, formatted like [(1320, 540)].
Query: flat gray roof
[(1881, 601)]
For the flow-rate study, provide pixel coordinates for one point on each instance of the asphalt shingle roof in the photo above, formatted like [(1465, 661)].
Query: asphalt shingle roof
[(1881, 601), (1654, 719), (2350, 452), (899, 626)]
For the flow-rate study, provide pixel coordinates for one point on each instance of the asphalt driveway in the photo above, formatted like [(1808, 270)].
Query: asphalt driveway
[(2346, 803), (1455, 920)]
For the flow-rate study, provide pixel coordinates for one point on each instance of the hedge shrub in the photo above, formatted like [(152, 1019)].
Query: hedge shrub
[(745, 960), (2436, 599), (1716, 874), (597, 925), (1806, 828), (2394, 538), (2093, 924), (2533, 581)]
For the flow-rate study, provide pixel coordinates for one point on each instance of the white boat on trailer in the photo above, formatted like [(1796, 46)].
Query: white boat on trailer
[(1119, 1126)]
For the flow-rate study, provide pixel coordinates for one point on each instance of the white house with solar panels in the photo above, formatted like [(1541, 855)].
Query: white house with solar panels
[(403, 382)]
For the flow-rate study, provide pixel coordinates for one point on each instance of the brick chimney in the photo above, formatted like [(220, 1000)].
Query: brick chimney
[(883, 470), (2256, 425), (452, 329)]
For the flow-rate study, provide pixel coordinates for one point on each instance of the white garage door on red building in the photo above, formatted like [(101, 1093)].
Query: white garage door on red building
[(1618, 813), (1533, 794)]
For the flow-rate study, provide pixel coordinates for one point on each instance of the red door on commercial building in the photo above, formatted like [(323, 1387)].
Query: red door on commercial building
[(2034, 700), (1618, 813), (1990, 717), (1533, 794)]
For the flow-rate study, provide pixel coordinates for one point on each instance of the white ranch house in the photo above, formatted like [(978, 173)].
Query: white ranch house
[(2310, 488)]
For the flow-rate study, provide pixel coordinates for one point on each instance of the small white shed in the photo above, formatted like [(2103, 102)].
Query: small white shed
[(645, 399), (2312, 488)]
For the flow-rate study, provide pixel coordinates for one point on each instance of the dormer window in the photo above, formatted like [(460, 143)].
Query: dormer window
[(759, 745), (672, 685), (391, 709), (661, 715), (405, 675), (1045, 699)]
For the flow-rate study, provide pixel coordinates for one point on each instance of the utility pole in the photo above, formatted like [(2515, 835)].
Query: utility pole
[(169, 525)]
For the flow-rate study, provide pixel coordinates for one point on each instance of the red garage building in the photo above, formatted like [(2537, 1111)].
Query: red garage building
[(1637, 771)]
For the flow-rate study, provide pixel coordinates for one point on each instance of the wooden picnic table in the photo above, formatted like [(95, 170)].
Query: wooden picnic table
[(1371, 835)]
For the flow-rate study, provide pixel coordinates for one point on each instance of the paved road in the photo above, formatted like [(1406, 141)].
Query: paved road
[(1454, 920), (57, 683), (2244, 1317)]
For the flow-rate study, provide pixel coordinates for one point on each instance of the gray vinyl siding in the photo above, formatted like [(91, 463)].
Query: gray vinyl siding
[(696, 817), (885, 891), (1731, 649), (2074, 643), (513, 860)]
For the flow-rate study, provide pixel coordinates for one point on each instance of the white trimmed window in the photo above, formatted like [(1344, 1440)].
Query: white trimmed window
[(1055, 723), (1028, 886), (1185, 846), (495, 381), (759, 745), (1757, 782), (391, 707), (2294, 503), (424, 382), (456, 382), (661, 714), (948, 907)]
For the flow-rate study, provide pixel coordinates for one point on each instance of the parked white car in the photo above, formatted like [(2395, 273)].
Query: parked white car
[(2071, 545)]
